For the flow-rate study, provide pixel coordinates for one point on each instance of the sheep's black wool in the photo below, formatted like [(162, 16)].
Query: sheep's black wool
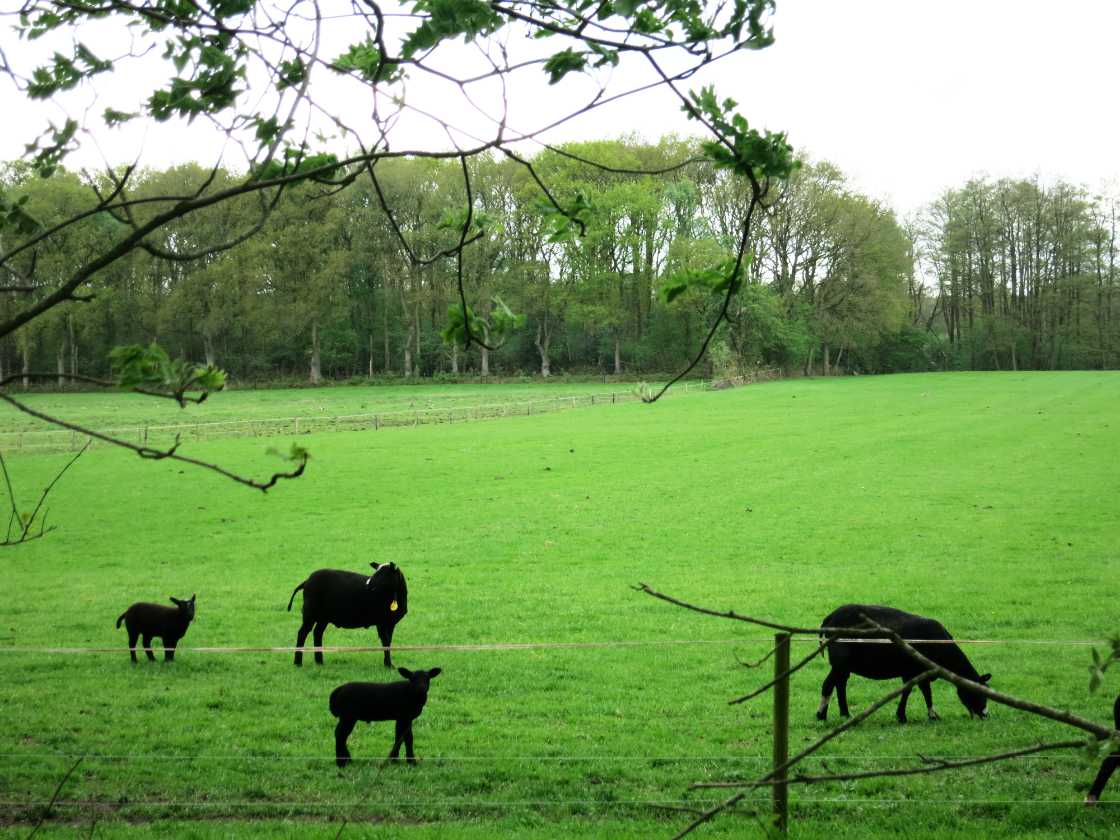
[(169, 624), (399, 701), (1108, 766), (886, 661), (348, 599)]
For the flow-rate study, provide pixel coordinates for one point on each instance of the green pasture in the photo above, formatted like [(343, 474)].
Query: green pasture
[(986, 500)]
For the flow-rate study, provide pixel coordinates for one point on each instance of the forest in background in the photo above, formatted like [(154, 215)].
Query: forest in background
[(994, 275)]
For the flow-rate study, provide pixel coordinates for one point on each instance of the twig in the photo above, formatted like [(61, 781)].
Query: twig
[(54, 798), (781, 676)]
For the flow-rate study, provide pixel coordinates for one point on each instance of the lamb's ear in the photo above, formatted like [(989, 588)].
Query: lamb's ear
[(404, 672), (984, 678), (434, 672), (376, 566), (191, 601), (176, 601)]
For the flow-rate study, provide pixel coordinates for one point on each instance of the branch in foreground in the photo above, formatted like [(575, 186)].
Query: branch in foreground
[(933, 765), (157, 454), (801, 756), (782, 676), (27, 522)]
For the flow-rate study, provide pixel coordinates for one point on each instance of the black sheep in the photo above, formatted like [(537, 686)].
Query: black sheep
[(879, 661), (169, 624), (399, 701), (348, 599), (1108, 766)]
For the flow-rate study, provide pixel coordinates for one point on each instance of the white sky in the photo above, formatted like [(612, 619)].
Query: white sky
[(908, 98)]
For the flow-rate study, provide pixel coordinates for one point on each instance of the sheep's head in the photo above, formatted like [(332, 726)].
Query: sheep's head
[(185, 607), (420, 679), (976, 703), (387, 580)]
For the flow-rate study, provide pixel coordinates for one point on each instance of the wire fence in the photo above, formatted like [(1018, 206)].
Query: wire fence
[(483, 647), (163, 436)]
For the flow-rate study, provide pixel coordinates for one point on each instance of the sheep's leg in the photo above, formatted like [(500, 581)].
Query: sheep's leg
[(169, 650), (927, 692), (395, 752), (1107, 769), (900, 713), (826, 692), (386, 636), (318, 637), (148, 648), (842, 692), (341, 733), (301, 637), (132, 637)]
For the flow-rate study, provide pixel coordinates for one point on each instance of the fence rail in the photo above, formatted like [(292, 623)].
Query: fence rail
[(59, 440)]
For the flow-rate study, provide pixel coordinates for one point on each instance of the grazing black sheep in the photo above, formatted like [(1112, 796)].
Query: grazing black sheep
[(886, 661), (399, 701), (348, 599), (157, 621), (1108, 766)]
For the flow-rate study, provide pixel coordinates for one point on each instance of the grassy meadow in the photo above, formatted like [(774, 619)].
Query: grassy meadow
[(988, 501)]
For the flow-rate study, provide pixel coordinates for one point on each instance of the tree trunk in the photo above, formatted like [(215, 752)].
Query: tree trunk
[(484, 354), (61, 357), (824, 358), (208, 348), (542, 342), (617, 355), (371, 354), (809, 361), (455, 357), (316, 371), (385, 333), (25, 350), (407, 372), (73, 344), (416, 338)]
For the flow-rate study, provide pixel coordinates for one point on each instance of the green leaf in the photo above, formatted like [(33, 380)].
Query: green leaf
[(563, 63)]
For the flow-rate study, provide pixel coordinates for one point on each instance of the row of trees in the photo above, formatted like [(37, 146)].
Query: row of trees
[(1009, 274)]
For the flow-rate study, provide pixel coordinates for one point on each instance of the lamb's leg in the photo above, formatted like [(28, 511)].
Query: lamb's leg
[(169, 649), (386, 636), (341, 733), (826, 692), (318, 637), (301, 637), (1108, 767), (927, 692), (395, 752), (408, 743), (148, 648), (901, 711), (133, 635), (842, 692)]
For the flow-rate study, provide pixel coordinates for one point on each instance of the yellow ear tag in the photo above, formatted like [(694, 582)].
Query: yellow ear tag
[(393, 607)]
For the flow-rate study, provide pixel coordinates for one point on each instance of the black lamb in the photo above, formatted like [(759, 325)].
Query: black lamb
[(169, 624), (879, 661), (348, 599), (399, 701), (1108, 766)]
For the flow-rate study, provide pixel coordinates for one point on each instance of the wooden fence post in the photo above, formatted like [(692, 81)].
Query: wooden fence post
[(781, 730)]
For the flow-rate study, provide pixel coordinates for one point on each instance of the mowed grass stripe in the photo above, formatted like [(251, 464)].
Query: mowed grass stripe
[(987, 501)]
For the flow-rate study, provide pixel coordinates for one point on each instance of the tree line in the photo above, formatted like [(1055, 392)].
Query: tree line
[(1009, 274)]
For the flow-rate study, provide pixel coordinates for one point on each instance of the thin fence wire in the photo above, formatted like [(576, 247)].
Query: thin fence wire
[(427, 804), (531, 646), (467, 759)]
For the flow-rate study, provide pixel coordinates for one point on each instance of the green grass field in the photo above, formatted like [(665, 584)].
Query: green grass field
[(986, 500)]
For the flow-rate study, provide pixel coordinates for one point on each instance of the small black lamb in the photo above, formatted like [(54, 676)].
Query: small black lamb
[(1108, 766), (399, 701), (154, 620)]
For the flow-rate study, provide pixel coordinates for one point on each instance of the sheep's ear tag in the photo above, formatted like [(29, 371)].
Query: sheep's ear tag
[(393, 606)]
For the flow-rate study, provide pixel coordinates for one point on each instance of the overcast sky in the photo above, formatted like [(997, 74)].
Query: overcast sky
[(908, 98)]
